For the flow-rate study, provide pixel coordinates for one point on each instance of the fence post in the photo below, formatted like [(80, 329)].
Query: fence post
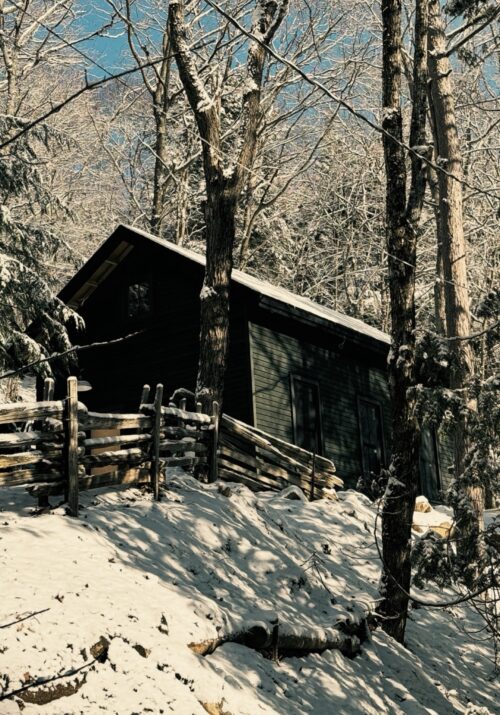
[(71, 434), (155, 456), (313, 477), (144, 396), (47, 395), (213, 476)]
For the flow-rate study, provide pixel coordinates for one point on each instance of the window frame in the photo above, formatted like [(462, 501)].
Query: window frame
[(297, 377), (142, 279), (434, 436), (370, 401)]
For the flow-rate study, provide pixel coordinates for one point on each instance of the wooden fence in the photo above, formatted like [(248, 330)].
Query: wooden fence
[(70, 449), (261, 461)]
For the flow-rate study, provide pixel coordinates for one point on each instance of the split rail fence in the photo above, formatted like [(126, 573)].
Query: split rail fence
[(68, 449), (262, 461), (71, 449)]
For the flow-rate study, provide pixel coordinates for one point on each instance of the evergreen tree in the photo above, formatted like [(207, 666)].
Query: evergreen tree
[(33, 321)]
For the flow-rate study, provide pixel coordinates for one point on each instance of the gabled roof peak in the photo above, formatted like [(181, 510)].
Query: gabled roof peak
[(74, 293)]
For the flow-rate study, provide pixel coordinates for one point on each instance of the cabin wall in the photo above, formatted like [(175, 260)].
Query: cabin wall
[(166, 348), (342, 372)]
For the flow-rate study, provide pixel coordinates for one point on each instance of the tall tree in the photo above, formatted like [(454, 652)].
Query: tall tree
[(453, 253), (402, 221), (223, 180)]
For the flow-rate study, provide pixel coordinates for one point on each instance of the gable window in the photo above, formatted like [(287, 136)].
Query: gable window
[(371, 436), (306, 414), (139, 299)]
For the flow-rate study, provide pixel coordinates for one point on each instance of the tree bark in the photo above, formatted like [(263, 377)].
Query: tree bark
[(181, 223), (292, 639), (214, 324), (453, 249), (402, 219), (223, 185), (439, 283), (161, 103)]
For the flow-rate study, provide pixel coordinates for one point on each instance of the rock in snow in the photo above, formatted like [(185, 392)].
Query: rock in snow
[(108, 604)]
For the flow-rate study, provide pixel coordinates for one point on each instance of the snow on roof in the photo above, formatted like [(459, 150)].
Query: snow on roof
[(276, 293)]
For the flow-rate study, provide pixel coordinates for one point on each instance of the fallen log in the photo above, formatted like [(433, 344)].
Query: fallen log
[(272, 638)]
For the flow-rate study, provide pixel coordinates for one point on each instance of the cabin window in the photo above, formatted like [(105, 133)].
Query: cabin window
[(306, 414), (371, 436), (430, 481), (139, 299)]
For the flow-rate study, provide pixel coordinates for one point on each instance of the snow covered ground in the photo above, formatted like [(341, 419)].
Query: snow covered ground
[(146, 579)]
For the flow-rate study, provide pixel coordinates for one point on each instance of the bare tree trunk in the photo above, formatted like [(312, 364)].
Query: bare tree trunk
[(159, 179), (220, 212), (10, 58), (402, 219), (161, 103), (453, 244), (248, 220), (439, 299), (181, 224), (223, 184)]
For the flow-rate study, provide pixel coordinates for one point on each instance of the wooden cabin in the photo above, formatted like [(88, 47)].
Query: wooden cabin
[(305, 373)]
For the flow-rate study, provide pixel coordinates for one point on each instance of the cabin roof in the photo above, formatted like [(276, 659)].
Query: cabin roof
[(112, 251)]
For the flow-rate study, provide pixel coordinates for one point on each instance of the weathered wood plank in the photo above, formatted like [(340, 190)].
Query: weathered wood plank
[(212, 473), (254, 482), (282, 460), (131, 475), (155, 449), (277, 481), (120, 456), (262, 442), (105, 420), (71, 434), (25, 411), (185, 416), (296, 453), (269, 475), (128, 475), (236, 455), (144, 396), (28, 476), (20, 459), (48, 389), (118, 439), (233, 442), (15, 440), (270, 462), (53, 425)]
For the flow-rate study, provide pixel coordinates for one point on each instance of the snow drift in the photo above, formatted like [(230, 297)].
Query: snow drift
[(108, 605)]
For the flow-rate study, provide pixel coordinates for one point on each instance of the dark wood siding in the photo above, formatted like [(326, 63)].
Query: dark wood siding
[(276, 355), (166, 350)]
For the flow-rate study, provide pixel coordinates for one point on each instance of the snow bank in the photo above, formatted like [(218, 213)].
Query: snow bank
[(133, 582)]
